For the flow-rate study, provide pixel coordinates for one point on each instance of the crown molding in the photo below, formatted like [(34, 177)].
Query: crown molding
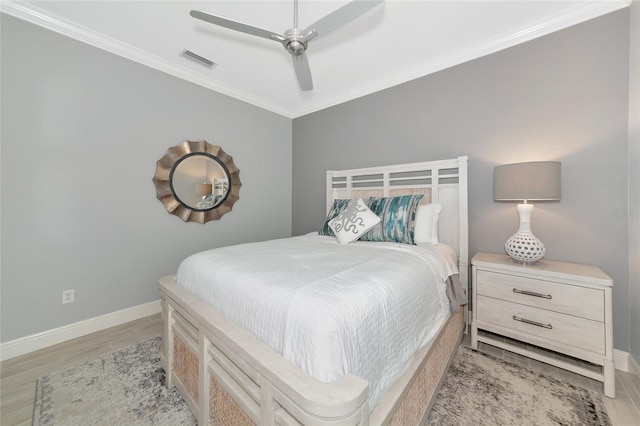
[(583, 11), (37, 16)]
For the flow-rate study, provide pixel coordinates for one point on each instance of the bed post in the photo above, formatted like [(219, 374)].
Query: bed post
[(167, 344), (329, 189), (203, 378), (463, 206)]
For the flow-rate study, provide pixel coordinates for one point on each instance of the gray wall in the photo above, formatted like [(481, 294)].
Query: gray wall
[(634, 180), (560, 97), (82, 130)]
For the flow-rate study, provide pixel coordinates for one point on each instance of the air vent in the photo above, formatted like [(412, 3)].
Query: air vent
[(197, 58)]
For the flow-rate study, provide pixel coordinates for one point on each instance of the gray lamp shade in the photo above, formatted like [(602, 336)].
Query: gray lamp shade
[(532, 181)]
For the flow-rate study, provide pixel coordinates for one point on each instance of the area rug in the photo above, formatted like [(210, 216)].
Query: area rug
[(126, 387), (480, 389)]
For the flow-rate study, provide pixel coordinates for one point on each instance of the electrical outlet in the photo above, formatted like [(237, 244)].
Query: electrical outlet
[(67, 296)]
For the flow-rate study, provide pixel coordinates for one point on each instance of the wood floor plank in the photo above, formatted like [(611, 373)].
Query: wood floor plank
[(631, 384), (12, 395), (621, 411), (58, 361), (20, 416)]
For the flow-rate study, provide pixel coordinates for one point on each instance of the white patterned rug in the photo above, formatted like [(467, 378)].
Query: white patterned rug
[(126, 387), (482, 390)]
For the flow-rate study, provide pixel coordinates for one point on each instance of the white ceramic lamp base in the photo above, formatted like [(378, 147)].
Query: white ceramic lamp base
[(523, 246)]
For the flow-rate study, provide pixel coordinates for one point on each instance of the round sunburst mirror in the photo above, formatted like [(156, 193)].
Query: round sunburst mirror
[(197, 181)]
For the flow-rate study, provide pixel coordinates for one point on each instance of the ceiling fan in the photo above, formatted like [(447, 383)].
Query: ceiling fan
[(296, 40)]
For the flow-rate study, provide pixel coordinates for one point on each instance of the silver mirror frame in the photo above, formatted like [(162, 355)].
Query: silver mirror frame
[(164, 193)]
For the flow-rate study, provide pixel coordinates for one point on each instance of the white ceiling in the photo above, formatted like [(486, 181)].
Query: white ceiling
[(406, 40)]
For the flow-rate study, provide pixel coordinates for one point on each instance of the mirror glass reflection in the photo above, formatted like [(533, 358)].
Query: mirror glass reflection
[(199, 181)]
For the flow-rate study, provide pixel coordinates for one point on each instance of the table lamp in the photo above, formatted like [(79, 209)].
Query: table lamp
[(525, 182)]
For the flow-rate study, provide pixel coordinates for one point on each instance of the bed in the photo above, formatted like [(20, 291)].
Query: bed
[(234, 372)]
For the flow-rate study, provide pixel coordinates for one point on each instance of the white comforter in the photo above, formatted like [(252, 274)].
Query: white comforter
[(361, 308)]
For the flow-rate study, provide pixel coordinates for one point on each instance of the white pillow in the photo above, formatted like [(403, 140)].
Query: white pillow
[(426, 225), (353, 222)]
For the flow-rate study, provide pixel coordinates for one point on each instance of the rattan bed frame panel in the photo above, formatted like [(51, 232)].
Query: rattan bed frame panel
[(223, 409), (417, 402), (227, 376)]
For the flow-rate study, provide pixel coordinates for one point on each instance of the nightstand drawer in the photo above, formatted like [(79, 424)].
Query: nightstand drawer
[(549, 325), (562, 298)]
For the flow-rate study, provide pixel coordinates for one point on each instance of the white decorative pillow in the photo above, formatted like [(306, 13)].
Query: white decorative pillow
[(426, 227), (353, 222)]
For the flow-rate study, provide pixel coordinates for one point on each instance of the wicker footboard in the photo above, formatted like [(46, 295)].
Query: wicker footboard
[(223, 409), (426, 379), (228, 377)]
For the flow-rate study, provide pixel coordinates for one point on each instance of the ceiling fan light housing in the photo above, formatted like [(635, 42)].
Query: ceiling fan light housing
[(296, 47)]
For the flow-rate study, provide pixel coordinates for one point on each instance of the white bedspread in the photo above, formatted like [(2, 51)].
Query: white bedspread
[(361, 308)]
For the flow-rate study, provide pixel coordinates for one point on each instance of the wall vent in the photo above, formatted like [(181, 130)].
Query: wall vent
[(197, 58)]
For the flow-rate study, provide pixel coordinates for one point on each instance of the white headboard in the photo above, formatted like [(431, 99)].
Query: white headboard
[(442, 181)]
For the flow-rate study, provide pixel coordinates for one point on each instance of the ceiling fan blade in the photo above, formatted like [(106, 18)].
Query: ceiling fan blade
[(344, 15), (237, 26), (303, 72)]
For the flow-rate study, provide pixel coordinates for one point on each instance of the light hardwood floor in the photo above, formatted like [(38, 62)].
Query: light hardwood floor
[(18, 375)]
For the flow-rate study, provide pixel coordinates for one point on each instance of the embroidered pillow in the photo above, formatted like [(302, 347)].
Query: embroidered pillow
[(337, 207), (398, 216), (426, 227), (353, 222)]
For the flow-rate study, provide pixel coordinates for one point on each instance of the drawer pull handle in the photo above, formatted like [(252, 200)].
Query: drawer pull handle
[(539, 324), (531, 293)]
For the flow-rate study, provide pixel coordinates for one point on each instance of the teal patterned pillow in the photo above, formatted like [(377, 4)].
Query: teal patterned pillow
[(338, 206), (398, 217)]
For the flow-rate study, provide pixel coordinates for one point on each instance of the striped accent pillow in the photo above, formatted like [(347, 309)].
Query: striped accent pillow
[(398, 218), (338, 206)]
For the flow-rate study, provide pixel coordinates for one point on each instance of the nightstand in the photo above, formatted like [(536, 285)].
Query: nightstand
[(558, 306)]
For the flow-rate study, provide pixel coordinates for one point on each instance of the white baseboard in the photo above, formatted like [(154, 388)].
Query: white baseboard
[(625, 362), (24, 345), (634, 367)]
